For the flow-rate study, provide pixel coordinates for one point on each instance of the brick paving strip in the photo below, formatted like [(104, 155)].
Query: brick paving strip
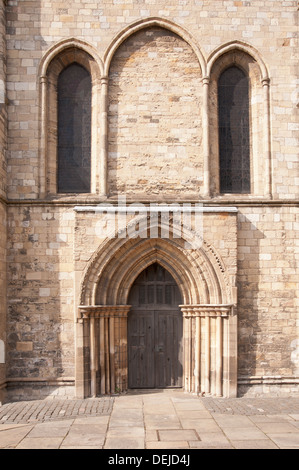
[(252, 406), (57, 409)]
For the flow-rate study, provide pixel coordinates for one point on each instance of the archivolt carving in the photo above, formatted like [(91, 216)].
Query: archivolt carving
[(199, 273)]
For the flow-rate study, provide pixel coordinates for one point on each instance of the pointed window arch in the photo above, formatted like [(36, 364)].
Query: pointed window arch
[(233, 127)]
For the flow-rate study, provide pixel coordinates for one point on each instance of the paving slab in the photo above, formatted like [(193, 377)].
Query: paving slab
[(195, 414), (167, 445), (40, 443), (80, 439), (177, 435), (210, 445), (285, 440), (10, 438), (238, 433), (53, 429), (201, 425), (277, 427), (162, 421), (233, 421), (131, 432), (254, 444), (124, 443)]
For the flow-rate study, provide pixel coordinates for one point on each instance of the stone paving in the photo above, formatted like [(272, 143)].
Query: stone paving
[(156, 419)]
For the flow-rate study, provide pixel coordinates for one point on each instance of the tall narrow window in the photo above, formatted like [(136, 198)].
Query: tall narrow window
[(233, 118), (74, 130)]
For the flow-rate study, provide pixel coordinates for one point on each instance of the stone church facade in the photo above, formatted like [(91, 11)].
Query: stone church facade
[(148, 197)]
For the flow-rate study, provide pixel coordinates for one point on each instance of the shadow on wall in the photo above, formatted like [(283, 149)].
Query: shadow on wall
[(265, 348)]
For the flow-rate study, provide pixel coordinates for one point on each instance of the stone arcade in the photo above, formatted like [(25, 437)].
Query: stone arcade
[(189, 103)]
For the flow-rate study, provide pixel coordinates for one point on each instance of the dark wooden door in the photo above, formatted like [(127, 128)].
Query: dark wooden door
[(155, 328)]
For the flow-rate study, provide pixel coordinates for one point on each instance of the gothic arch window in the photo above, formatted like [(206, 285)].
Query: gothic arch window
[(70, 120), (233, 128), (74, 130), (238, 104)]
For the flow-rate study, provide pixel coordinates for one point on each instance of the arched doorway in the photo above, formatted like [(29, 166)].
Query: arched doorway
[(155, 331), (118, 270)]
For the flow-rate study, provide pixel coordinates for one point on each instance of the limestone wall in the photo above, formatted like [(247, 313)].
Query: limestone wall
[(156, 148), (269, 27)]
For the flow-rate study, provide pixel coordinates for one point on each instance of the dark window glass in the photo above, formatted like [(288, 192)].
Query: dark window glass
[(233, 116), (74, 130)]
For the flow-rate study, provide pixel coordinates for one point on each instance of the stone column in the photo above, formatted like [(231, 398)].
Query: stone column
[(43, 137), (106, 370), (210, 359), (104, 137), (206, 139), (267, 141)]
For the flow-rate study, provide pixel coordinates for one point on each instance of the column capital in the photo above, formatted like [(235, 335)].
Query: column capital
[(103, 311), (266, 82), (43, 79), (206, 310), (104, 80)]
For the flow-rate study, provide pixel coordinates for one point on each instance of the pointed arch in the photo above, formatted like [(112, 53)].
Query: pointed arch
[(238, 46), (64, 45), (147, 23), (199, 273)]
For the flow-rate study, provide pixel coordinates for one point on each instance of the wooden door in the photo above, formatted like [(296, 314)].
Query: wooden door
[(155, 329)]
